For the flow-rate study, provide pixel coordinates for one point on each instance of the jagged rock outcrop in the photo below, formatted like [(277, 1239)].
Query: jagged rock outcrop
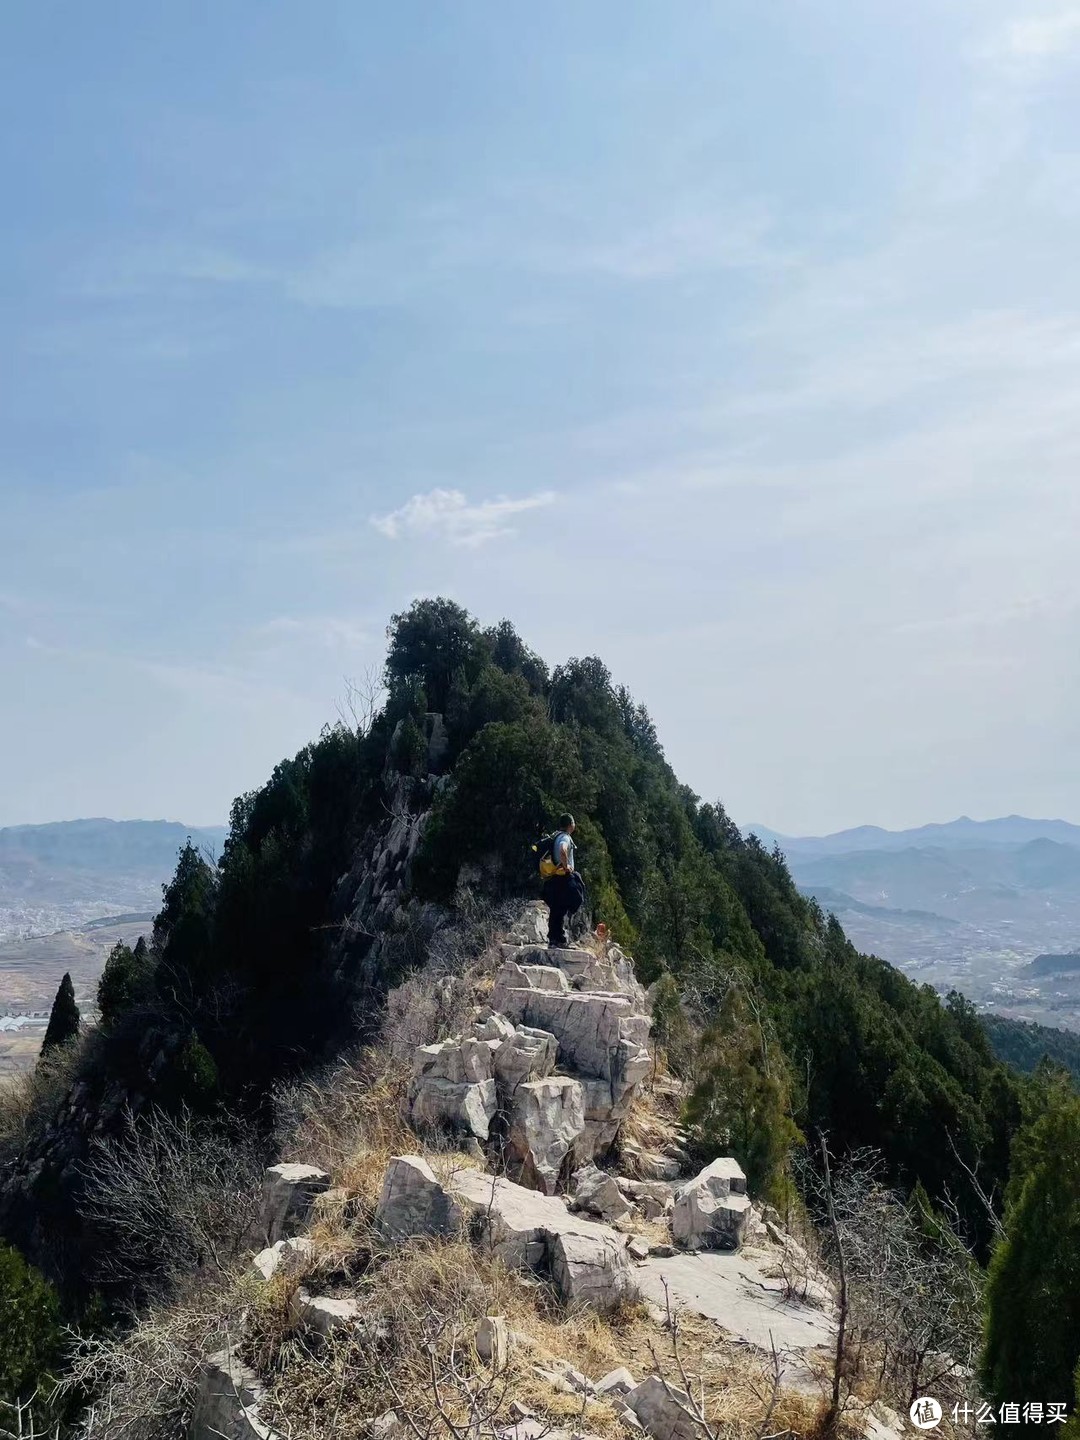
[(544, 1084), (533, 1231), (713, 1210), (575, 1011), (547, 1120)]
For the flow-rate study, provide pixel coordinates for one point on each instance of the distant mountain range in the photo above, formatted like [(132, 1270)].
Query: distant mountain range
[(54, 876), (1010, 830), (967, 904)]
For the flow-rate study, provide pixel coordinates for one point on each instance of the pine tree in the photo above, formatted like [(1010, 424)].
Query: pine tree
[(1033, 1295), (64, 1020)]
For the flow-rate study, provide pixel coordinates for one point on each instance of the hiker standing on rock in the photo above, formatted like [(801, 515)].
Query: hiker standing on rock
[(562, 890)]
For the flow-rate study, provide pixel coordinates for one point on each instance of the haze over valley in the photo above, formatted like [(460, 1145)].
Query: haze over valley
[(68, 892), (968, 905)]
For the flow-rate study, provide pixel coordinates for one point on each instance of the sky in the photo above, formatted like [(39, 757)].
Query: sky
[(736, 343)]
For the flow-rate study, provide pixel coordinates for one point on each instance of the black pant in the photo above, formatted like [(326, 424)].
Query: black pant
[(563, 895)]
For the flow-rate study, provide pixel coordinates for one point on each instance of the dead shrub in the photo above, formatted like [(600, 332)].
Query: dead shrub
[(142, 1384), (30, 1099), (172, 1197)]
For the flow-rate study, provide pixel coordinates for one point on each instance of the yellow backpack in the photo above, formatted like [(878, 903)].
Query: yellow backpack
[(544, 850)]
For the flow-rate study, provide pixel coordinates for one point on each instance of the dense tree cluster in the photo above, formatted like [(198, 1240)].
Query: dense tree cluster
[(1025, 1045)]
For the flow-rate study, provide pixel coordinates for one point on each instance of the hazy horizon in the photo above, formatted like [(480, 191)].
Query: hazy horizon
[(743, 824), (740, 351)]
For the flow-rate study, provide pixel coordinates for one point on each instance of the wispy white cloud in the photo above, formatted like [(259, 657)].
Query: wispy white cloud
[(330, 632), (449, 516)]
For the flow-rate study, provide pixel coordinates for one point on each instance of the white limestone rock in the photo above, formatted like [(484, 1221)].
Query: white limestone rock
[(615, 1382), (323, 1316), (512, 977), (597, 1192), (532, 1231), (413, 1203), (662, 1410), (712, 1211), (546, 1120), (227, 1403), (591, 1269), (287, 1257), (465, 1109), (650, 1164), (523, 1055), (289, 1194)]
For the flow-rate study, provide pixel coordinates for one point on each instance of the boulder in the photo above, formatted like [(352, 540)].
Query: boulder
[(287, 1257), (413, 1203), (515, 1222), (546, 1119), (599, 1194), (663, 1410), (615, 1382), (493, 1342), (712, 1211), (324, 1316), (493, 1027), (227, 1403), (590, 1269), (638, 1248), (661, 1190), (532, 1231), (289, 1194), (650, 1164)]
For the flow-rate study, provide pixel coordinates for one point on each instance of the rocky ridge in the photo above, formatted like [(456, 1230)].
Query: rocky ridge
[(537, 1089)]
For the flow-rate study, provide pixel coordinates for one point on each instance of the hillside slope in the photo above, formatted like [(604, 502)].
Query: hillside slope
[(343, 875)]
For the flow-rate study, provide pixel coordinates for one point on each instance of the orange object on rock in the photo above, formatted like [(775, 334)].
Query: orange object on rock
[(601, 931)]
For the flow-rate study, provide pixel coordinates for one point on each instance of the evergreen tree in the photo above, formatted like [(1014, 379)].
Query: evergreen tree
[(1033, 1295), (64, 1019), (123, 980), (30, 1332)]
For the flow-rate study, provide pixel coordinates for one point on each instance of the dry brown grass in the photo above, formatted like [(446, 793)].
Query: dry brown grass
[(29, 1099), (420, 1306)]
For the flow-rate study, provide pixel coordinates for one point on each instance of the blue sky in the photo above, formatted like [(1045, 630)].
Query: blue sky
[(736, 343)]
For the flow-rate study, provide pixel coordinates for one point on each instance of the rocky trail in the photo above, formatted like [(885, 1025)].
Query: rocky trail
[(535, 1093)]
